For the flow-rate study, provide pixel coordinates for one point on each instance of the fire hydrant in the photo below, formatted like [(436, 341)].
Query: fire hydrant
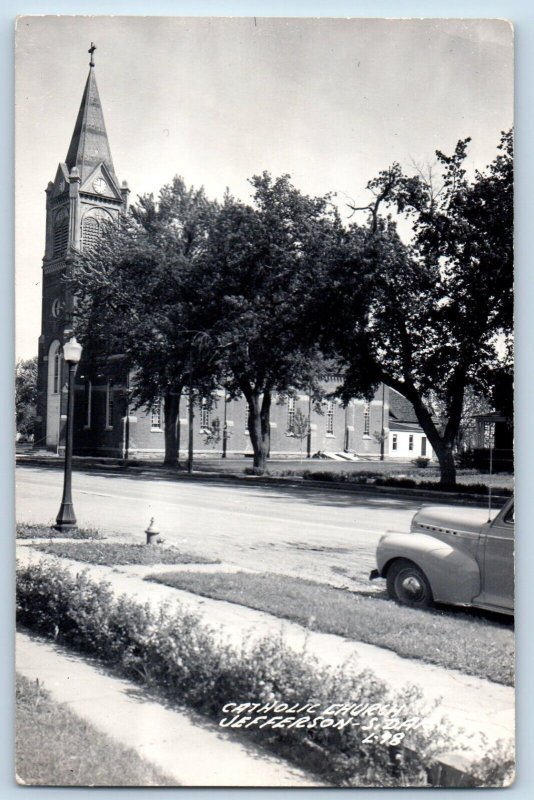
[(151, 532)]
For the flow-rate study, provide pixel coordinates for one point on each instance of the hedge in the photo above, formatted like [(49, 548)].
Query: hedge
[(173, 652)]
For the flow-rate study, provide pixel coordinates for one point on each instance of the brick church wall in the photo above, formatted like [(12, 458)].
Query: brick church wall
[(342, 429)]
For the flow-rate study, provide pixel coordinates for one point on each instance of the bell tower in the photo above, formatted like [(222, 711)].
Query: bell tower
[(84, 195)]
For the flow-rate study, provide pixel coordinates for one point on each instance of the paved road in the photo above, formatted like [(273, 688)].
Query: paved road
[(323, 535)]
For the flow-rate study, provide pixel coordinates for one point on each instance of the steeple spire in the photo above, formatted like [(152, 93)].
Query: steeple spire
[(89, 145)]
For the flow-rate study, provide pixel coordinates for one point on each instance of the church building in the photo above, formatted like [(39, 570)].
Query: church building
[(84, 195)]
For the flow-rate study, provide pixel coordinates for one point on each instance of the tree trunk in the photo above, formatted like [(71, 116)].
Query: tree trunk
[(447, 466), (442, 444), (171, 409), (259, 427)]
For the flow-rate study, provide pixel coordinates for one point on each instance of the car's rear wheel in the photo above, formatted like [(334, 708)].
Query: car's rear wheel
[(408, 584)]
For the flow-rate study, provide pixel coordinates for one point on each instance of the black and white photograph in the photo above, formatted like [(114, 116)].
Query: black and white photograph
[(264, 402)]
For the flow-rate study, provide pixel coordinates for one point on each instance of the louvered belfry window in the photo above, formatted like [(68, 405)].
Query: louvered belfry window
[(90, 233), (61, 233), (93, 226)]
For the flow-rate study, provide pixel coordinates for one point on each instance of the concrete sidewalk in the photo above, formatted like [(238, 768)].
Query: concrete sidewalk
[(476, 705), (182, 745)]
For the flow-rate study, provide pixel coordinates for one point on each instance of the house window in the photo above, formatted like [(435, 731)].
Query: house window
[(394, 442), (156, 415), (410, 442), (423, 445), (330, 417), (56, 385), (366, 419), (205, 413), (109, 405), (290, 414), (88, 401)]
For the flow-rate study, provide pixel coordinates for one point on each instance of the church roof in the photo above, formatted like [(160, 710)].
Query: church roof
[(400, 409), (89, 145)]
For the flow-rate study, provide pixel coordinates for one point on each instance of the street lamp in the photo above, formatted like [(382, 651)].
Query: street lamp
[(66, 519)]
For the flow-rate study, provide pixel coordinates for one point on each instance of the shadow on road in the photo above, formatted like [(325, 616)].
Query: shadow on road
[(314, 494)]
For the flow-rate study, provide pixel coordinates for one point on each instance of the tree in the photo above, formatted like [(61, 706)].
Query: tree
[(254, 275), (473, 404), (300, 428), (426, 318), (26, 397), (134, 299)]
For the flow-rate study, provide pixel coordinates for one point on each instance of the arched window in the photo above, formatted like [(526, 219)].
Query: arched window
[(54, 368), (53, 400), (57, 372), (205, 413), (156, 415), (290, 414), (61, 233), (330, 417), (88, 402), (366, 418), (90, 233), (92, 227), (109, 405)]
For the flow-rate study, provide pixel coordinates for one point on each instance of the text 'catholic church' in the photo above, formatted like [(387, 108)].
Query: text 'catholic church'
[(85, 194)]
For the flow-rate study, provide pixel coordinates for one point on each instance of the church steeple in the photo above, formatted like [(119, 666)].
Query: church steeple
[(89, 145), (81, 201)]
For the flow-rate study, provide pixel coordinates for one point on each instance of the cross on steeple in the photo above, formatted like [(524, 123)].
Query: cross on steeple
[(92, 50)]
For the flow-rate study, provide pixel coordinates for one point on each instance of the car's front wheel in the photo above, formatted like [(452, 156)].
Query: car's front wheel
[(408, 584)]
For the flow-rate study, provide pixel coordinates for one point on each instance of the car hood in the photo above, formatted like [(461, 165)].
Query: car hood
[(445, 518)]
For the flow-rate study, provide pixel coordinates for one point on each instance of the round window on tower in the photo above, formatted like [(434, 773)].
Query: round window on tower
[(58, 306)]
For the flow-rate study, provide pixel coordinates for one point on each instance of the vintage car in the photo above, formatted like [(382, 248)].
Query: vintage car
[(458, 557)]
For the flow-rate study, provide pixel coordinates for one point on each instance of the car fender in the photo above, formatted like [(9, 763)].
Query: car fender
[(453, 574)]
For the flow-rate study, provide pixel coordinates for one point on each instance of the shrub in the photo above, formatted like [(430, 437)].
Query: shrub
[(177, 654), (465, 459), (464, 488), (421, 461), (287, 473), (324, 475), (496, 767), (406, 483)]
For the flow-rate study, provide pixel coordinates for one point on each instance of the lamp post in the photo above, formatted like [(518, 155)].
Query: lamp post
[(66, 519)]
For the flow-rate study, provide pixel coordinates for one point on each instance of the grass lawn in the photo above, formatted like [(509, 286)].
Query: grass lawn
[(46, 532), (387, 469), (453, 640), (114, 553), (54, 747)]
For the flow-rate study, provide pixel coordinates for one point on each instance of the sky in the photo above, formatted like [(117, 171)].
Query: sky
[(217, 100)]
